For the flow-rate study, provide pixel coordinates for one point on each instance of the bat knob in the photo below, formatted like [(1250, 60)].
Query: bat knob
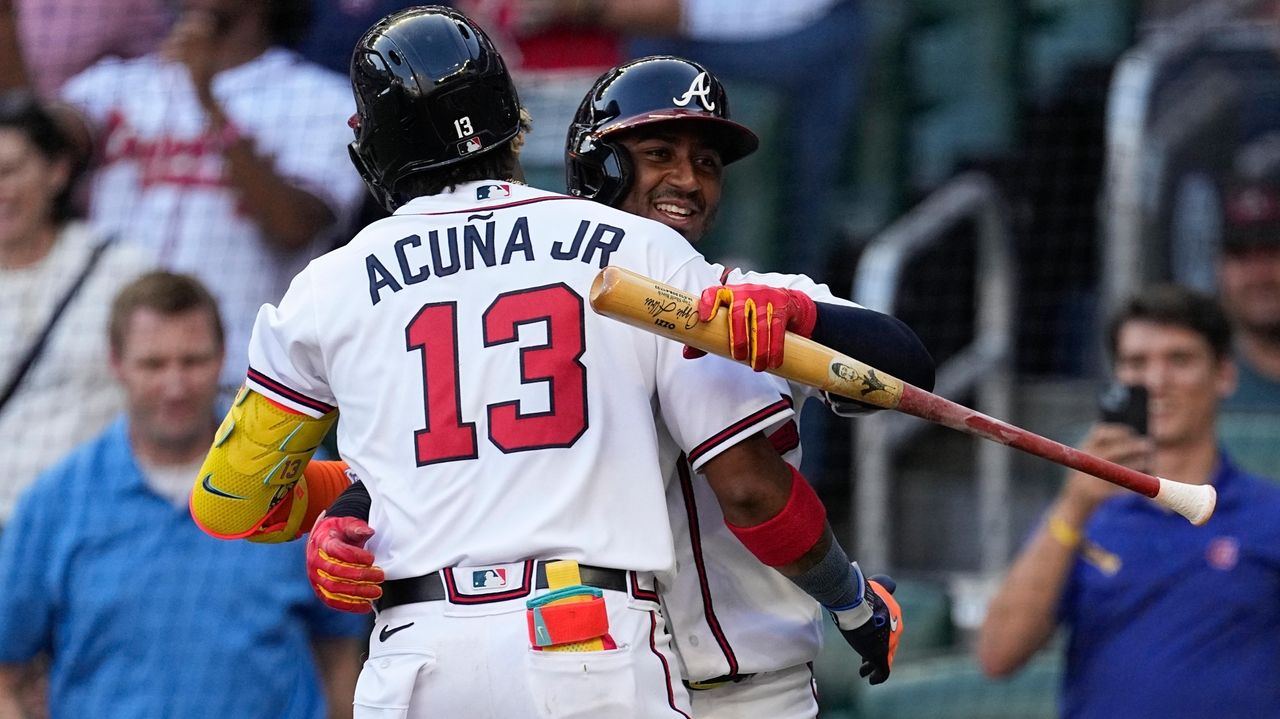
[(1193, 501)]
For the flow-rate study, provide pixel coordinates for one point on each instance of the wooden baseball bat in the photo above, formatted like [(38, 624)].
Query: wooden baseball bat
[(673, 313)]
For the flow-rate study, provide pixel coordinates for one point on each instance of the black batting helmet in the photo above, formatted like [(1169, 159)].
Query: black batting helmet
[(431, 90), (653, 89)]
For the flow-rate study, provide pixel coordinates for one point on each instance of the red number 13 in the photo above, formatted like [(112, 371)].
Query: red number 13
[(434, 333)]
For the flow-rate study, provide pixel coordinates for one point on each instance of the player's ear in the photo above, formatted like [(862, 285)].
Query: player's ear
[(115, 358)]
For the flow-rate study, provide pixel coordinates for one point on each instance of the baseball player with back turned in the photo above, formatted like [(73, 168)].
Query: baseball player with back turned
[(652, 137), (485, 408)]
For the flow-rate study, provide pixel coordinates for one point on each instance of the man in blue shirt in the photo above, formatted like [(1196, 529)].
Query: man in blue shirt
[(1249, 288), (1165, 619), (141, 613)]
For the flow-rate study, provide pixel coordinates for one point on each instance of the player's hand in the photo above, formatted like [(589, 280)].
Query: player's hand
[(759, 318), (341, 570), (876, 639)]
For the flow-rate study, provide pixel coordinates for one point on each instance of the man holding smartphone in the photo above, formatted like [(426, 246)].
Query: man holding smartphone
[(1158, 611)]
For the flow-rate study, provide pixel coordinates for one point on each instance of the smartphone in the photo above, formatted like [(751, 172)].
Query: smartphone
[(1124, 404)]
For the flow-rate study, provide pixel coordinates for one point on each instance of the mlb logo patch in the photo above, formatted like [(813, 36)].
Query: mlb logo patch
[(489, 578), (1223, 553), (466, 147), (469, 585), (490, 192)]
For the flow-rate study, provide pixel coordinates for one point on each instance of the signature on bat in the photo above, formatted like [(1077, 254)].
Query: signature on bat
[(683, 312)]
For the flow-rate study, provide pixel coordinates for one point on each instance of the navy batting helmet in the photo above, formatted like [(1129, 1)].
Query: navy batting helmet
[(431, 90), (653, 89)]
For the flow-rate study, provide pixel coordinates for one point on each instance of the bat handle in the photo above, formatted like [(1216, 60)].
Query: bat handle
[(1193, 501)]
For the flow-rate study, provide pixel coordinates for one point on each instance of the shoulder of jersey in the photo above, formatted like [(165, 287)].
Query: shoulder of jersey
[(804, 283), (145, 66)]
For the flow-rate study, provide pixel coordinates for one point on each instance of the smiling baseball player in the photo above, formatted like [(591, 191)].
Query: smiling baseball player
[(652, 137), (486, 409)]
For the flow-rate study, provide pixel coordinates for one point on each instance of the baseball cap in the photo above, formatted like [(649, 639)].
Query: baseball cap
[(1251, 214)]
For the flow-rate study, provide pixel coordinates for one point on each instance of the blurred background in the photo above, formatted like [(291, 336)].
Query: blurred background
[(997, 173)]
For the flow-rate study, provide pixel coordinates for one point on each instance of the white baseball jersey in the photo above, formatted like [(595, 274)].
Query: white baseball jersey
[(728, 613), (161, 180), (493, 415)]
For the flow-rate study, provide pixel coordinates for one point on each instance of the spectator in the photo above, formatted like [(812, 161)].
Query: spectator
[(1249, 287), (556, 49), (731, 37), (45, 42), (224, 154), (1157, 610), (142, 614), (55, 392)]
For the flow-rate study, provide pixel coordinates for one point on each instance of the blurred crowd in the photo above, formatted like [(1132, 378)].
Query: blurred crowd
[(206, 140)]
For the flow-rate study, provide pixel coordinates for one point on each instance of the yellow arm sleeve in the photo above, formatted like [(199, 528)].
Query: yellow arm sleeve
[(257, 458)]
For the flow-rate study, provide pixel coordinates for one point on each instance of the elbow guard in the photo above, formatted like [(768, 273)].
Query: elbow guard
[(321, 484), (257, 458)]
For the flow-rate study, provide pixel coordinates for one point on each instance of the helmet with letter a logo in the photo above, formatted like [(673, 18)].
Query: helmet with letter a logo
[(657, 89), (431, 90)]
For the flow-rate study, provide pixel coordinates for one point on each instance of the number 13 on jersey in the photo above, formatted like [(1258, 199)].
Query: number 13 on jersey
[(433, 335)]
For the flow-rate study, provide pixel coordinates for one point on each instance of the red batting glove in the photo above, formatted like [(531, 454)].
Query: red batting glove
[(341, 570), (759, 318)]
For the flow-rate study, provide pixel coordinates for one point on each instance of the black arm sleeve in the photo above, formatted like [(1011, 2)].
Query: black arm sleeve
[(354, 502), (877, 339)]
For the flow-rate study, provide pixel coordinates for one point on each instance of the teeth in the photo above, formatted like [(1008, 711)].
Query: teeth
[(673, 209)]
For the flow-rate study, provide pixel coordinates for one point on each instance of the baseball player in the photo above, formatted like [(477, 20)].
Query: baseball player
[(652, 137), (488, 410)]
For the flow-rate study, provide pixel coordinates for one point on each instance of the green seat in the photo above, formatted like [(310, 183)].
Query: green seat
[(955, 688), (926, 609), (1253, 441)]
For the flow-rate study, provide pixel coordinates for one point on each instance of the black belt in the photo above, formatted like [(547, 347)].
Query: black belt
[(430, 587)]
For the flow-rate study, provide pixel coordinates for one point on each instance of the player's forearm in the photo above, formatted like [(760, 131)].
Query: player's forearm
[(773, 511), (1022, 616), (248, 485), (750, 481), (353, 502), (882, 341)]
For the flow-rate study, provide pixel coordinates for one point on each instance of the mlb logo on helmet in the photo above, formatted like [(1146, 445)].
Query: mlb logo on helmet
[(466, 147), (489, 578), (489, 192)]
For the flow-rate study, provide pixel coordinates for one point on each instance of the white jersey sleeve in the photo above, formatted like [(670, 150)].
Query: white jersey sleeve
[(817, 291), (284, 353), (690, 384)]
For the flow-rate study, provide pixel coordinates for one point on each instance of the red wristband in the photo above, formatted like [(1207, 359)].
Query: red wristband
[(789, 534)]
